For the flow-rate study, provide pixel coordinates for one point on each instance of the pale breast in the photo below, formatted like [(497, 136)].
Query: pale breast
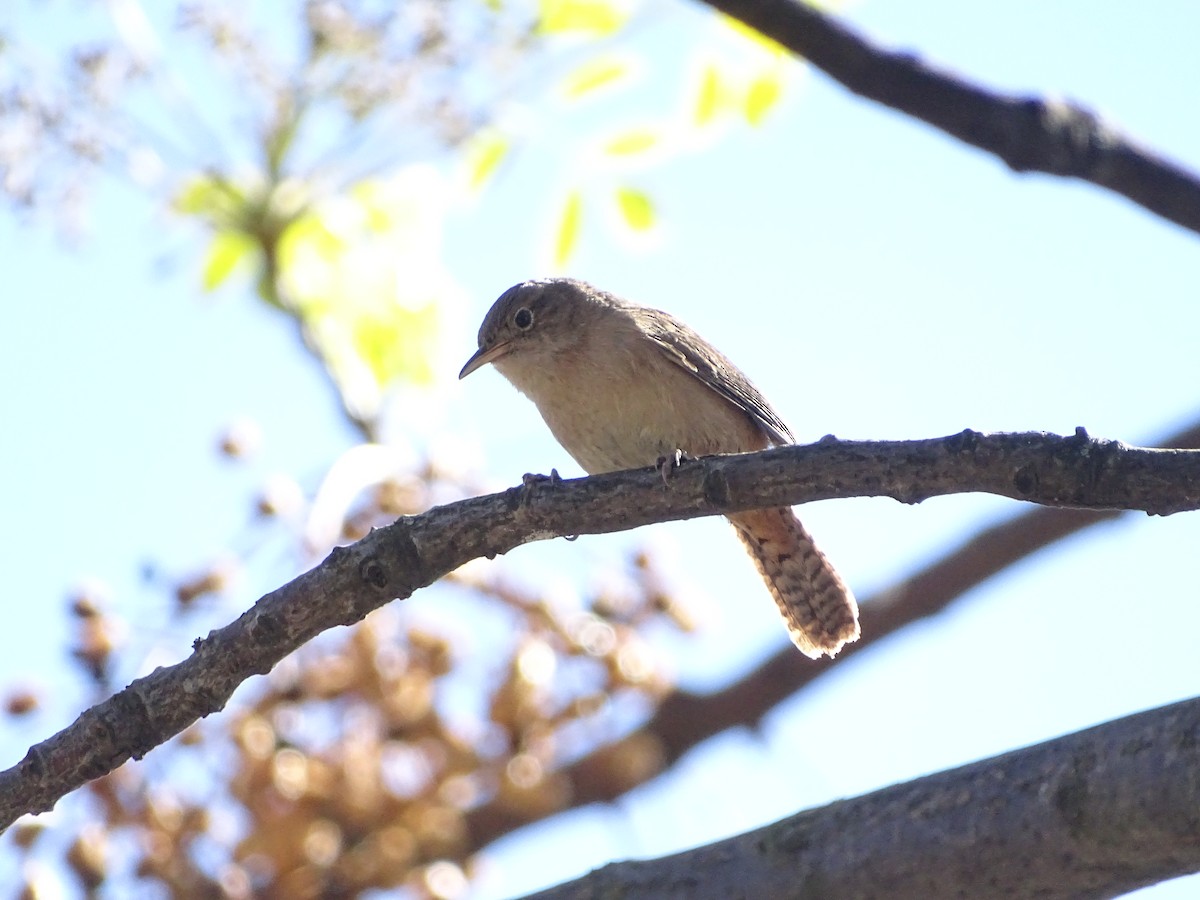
[(618, 403)]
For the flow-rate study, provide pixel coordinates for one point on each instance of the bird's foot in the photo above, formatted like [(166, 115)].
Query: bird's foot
[(667, 465), (530, 482)]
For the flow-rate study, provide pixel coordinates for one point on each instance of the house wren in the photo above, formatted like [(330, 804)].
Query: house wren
[(623, 386)]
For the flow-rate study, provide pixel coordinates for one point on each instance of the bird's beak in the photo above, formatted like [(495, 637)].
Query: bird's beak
[(485, 355)]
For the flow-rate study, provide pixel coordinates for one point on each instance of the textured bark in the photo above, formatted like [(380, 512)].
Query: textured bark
[(415, 551), (1095, 814)]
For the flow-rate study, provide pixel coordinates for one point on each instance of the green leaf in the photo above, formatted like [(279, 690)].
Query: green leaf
[(636, 140), (227, 250), (210, 198), (637, 209), (373, 206), (485, 152), (196, 196), (394, 342), (360, 270), (708, 99), (311, 234), (598, 18), (593, 75), (310, 257), (764, 92), (568, 228)]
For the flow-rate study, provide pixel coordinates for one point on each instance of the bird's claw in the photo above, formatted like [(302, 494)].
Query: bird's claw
[(667, 465), (531, 480)]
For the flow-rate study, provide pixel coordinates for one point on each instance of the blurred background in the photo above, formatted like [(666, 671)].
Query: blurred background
[(246, 248)]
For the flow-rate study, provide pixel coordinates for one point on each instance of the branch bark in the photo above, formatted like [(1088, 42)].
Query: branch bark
[(1095, 814), (683, 719), (1030, 134), (415, 551)]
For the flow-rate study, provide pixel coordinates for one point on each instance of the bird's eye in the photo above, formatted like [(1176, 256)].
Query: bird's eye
[(523, 319)]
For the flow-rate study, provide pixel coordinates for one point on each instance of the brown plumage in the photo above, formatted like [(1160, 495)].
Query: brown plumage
[(818, 609), (622, 386)]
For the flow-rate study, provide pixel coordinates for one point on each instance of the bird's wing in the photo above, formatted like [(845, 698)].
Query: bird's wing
[(689, 351)]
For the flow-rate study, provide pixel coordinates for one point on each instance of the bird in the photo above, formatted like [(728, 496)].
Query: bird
[(624, 386)]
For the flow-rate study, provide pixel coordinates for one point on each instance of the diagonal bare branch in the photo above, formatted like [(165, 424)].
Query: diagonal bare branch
[(1094, 814), (415, 551), (683, 719), (1030, 134)]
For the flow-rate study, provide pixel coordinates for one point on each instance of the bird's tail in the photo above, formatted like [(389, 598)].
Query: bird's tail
[(819, 610)]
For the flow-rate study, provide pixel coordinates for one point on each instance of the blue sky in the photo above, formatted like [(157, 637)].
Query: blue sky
[(876, 279)]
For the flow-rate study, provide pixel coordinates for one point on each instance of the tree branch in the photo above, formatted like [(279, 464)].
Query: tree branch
[(684, 719), (415, 551), (1027, 133), (1116, 803)]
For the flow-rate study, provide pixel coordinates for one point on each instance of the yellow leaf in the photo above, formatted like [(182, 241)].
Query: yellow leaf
[(638, 140), (594, 74), (595, 17), (195, 196), (764, 92), (636, 208), (760, 40), (374, 203), (709, 97), (228, 248), (306, 238), (309, 258), (484, 154), (568, 228), (394, 342), (212, 198)]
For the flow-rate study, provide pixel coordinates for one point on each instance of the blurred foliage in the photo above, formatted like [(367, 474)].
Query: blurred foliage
[(316, 148), (342, 771)]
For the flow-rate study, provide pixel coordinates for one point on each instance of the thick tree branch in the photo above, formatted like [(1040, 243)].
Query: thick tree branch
[(415, 551), (683, 720), (1095, 814), (1027, 133)]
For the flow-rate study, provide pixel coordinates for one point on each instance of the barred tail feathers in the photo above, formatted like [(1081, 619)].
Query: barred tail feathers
[(818, 608)]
